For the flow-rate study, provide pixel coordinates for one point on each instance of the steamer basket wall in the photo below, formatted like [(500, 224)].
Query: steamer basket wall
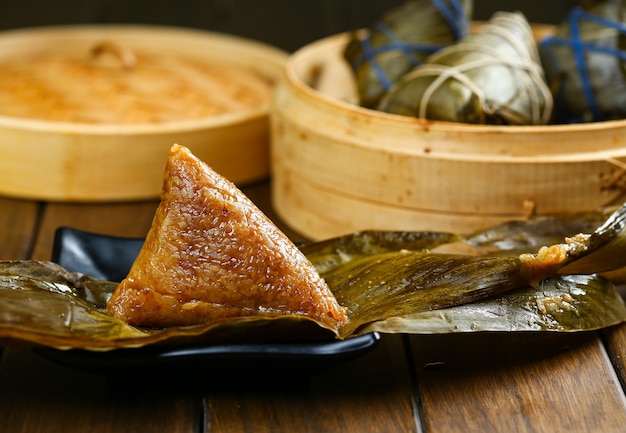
[(339, 168)]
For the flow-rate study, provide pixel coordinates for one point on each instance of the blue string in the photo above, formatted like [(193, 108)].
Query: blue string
[(453, 14), (579, 48), (455, 17), (408, 49), (370, 53)]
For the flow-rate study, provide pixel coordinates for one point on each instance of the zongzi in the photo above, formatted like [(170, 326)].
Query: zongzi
[(401, 40), (490, 77), (585, 63), (211, 254)]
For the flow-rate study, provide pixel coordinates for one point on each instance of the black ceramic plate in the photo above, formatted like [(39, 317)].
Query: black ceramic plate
[(109, 258)]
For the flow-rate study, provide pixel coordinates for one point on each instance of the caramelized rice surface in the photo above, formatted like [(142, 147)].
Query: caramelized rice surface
[(211, 254)]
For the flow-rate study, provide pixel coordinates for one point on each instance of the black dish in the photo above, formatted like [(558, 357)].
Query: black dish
[(109, 258)]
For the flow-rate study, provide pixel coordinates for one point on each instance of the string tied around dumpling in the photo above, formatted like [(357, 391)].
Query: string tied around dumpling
[(454, 16), (532, 79), (395, 44), (579, 48)]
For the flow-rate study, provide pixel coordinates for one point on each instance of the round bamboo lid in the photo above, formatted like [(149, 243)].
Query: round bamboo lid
[(113, 83), (88, 113)]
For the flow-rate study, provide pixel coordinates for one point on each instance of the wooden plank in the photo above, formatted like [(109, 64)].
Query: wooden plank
[(38, 395), (117, 219), (17, 219), (517, 382), (372, 393), (615, 339)]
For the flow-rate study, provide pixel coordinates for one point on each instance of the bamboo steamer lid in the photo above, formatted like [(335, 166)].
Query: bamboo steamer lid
[(339, 168), (88, 113)]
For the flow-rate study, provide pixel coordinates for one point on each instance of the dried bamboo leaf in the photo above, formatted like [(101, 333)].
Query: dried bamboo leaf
[(388, 281), (563, 304), (403, 282), (43, 304), (333, 253)]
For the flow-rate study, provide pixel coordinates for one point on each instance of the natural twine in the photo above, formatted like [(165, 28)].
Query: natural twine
[(532, 78)]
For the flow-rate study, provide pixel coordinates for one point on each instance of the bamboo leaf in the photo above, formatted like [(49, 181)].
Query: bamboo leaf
[(389, 282)]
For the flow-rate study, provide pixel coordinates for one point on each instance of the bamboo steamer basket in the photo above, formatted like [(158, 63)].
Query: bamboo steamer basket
[(75, 161), (339, 168)]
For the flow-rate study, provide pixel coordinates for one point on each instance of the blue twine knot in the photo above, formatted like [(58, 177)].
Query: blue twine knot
[(579, 48), (452, 13)]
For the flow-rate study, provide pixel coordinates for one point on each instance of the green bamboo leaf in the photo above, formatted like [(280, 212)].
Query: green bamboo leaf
[(562, 304), (388, 281)]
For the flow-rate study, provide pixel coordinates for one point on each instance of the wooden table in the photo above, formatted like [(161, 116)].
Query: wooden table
[(449, 383)]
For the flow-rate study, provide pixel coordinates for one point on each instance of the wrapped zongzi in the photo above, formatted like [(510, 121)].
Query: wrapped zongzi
[(491, 77), (401, 40), (585, 63)]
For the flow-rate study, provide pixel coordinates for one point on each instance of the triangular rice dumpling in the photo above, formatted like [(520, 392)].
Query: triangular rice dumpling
[(211, 254)]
